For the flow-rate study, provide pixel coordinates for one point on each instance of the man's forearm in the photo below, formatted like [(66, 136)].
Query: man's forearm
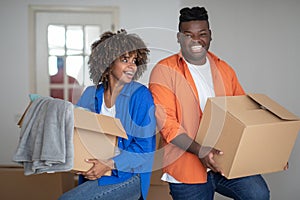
[(184, 142)]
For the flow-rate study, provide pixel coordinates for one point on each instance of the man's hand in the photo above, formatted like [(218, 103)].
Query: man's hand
[(206, 156)]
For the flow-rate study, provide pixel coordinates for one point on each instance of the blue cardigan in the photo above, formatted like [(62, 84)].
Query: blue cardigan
[(135, 109)]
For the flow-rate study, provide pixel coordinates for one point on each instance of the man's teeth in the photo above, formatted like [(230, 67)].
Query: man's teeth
[(196, 47)]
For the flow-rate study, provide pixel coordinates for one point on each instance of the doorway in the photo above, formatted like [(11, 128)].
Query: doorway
[(61, 39)]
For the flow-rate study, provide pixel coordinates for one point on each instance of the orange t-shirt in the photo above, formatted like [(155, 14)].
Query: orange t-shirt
[(178, 110)]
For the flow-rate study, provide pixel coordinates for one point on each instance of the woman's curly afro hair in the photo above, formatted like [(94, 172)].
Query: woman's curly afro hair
[(111, 46)]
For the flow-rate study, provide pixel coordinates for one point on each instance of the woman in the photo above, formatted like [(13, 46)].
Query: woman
[(116, 60)]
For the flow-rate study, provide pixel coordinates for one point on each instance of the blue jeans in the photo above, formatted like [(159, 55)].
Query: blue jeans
[(246, 188), (128, 190)]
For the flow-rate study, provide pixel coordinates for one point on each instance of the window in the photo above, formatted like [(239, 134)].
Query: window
[(62, 47), (68, 51)]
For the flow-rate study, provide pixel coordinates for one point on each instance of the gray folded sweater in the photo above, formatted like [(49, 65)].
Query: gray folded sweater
[(46, 138)]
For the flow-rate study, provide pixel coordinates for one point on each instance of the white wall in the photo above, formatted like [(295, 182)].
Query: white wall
[(259, 38), (147, 18)]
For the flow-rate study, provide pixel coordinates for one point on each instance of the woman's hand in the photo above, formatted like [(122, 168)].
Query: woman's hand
[(99, 168), (286, 167)]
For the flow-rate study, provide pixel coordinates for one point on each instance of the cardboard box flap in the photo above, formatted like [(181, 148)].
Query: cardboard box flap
[(113, 126), (98, 123), (23, 115), (273, 107), (235, 104)]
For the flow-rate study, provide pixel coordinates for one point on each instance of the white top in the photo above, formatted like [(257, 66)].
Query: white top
[(204, 83), (109, 112), (203, 80)]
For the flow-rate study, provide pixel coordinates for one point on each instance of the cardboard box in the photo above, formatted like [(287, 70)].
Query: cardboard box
[(15, 185), (158, 163), (95, 136), (159, 192), (255, 133)]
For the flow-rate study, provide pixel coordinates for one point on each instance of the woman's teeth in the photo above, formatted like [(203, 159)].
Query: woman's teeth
[(129, 73)]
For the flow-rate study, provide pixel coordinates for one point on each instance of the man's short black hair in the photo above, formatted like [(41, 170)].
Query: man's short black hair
[(191, 14)]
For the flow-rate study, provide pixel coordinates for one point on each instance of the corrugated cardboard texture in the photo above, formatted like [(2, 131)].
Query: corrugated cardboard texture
[(98, 123), (256, 135), (85, 148), (95, 136), (14, 185), (158, 163), (159, 192)]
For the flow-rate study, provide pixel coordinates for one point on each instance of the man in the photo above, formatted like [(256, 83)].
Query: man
[(180, 85)]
